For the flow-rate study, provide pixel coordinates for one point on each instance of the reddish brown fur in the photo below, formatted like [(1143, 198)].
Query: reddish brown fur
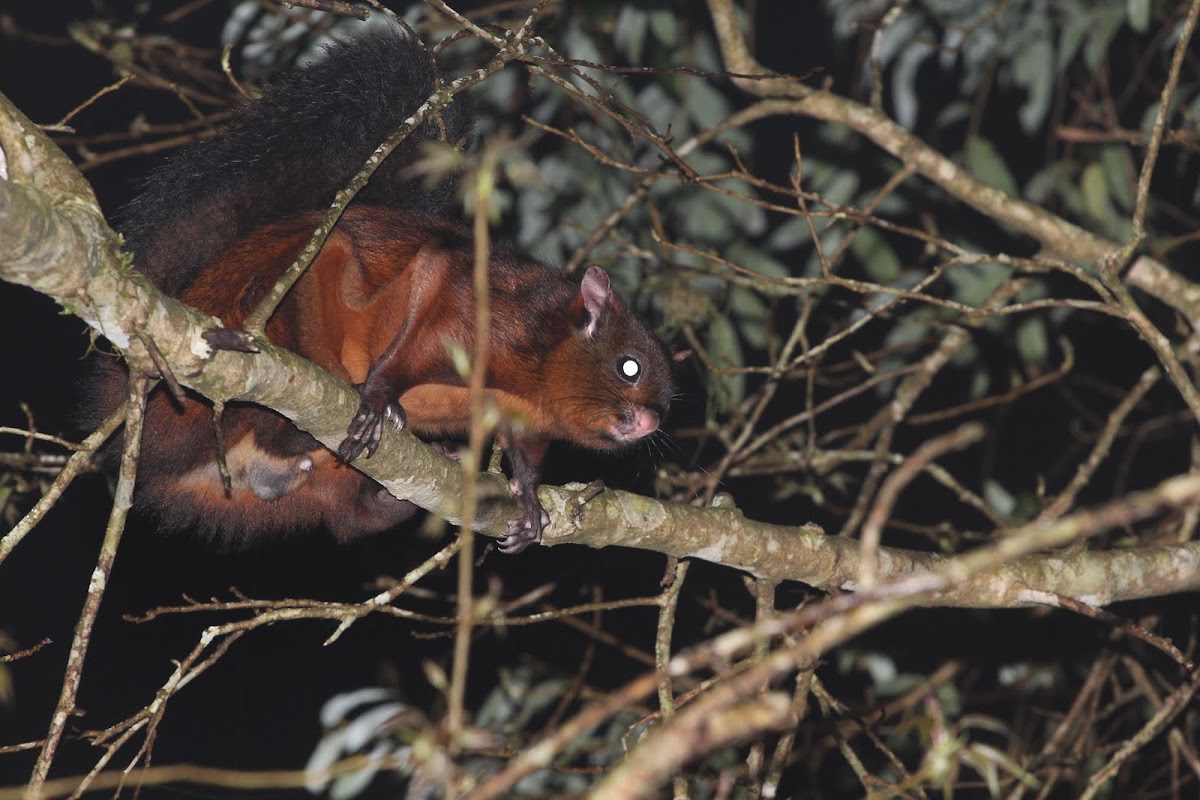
[(376, 307)]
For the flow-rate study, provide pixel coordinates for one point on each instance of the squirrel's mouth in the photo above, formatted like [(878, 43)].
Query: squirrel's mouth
[(632, 424)]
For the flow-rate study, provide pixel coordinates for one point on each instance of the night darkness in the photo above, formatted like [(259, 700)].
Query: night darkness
[(258, 706)]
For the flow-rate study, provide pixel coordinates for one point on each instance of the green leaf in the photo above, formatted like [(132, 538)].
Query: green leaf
[(985, 163), (1045, 184), (705, 104), (751, 313), (879, 260), (658, 106), (629, 32), (750, 217), (909, 330), (830, 240), (703, 219), (973, 283), (726, 351), (1033, 344), (1095, 193), (840, 188), (904, 82), (998, 498), (756, 260), (580, 45), (1119, 171), (706, 162), (792, 233), (952, 113), (1034, 71), (1106, 21), (1078, 22), (1138, 12), (665, 26), (704, 56)]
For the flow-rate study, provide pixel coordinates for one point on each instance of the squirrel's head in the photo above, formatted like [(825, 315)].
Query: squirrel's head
[(621, 385)]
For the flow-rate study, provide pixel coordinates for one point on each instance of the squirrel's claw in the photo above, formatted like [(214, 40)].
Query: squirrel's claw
[(528, 529), (521, 534), (366, 429)]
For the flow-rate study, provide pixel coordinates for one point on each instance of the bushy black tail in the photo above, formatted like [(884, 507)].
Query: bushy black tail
[(291, 151)]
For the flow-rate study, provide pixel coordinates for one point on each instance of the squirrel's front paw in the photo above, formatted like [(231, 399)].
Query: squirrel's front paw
[(366, 429)]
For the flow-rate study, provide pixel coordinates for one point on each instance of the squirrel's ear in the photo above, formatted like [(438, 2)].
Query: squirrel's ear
[(596, 296), (596, 290)]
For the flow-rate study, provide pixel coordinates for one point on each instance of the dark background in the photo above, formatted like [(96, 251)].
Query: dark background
[(257, 708)]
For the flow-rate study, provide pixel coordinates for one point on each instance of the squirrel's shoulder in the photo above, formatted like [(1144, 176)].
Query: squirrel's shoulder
[(290, 150)]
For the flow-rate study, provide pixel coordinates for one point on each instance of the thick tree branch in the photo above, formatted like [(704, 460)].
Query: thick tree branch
[(804, 553), (58, 243)]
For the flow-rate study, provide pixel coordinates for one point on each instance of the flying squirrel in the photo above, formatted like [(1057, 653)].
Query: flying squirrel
[(219, 222)]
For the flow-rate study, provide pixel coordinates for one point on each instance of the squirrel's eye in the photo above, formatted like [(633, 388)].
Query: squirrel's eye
[(629, 368)]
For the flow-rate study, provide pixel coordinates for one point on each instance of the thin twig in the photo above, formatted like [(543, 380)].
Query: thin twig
[(122, 501), (889, 492)]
